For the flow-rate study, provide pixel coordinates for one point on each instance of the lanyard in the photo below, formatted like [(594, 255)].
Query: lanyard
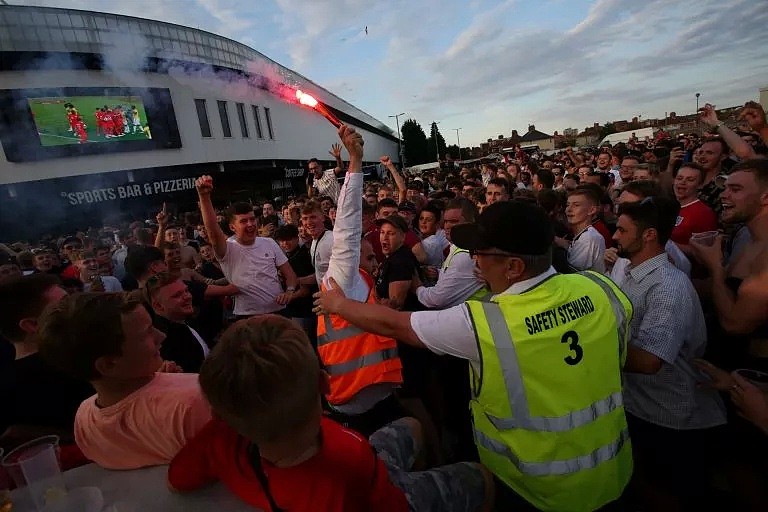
[(317, 246)]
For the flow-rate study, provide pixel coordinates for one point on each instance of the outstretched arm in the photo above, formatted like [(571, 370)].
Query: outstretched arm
[(336, 154), (162, 224), (399, 180)]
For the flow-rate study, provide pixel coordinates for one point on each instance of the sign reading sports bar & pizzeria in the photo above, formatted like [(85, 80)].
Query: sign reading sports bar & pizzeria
[(127, 191)]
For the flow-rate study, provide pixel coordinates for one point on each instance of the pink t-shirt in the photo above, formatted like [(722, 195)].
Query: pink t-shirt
[(147, 428)]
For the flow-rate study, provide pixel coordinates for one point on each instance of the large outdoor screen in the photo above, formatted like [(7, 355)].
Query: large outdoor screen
[(37, 124), (89, 119)]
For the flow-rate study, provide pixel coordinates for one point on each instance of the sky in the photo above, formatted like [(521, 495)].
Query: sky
[(490, 67)]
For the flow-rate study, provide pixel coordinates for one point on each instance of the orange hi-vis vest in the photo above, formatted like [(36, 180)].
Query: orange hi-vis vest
[(353, 358)]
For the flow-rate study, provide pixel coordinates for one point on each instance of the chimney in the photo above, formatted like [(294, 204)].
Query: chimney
[(634, 120), (596, 125), (531, 127), (672, 115), (514, 134), (555, 134), (501, 137), (490, 140)]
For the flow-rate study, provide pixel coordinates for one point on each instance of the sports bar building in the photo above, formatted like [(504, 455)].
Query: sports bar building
[(105, 116)]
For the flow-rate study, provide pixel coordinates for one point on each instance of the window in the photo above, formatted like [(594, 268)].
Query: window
[(257, 120), (202, 117), (268, 115), (224, 115), (241, 118)]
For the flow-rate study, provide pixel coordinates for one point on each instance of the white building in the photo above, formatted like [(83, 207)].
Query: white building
[(212, 106)]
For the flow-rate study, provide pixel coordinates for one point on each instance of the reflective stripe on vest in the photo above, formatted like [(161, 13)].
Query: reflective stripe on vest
[(513, 379), (618, 310), (361, 362), (332, 334), (555, 467)]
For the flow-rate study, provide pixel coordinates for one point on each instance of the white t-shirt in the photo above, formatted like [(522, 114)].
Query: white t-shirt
[(253, 269), (320, 251), (587, 250)]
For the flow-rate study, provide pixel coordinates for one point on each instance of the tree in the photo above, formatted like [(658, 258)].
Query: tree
[(453, 150), (606, 129), (415, 146), (440, 148)]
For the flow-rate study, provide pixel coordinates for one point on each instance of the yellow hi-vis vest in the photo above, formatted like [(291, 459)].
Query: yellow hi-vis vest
[(546, 403), (482, 293)]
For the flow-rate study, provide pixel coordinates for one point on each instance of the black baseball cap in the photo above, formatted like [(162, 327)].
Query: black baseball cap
[(407, 206), (394, 220), (517, 227)]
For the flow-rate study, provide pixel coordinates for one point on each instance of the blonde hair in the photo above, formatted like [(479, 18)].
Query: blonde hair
[(263, 378)]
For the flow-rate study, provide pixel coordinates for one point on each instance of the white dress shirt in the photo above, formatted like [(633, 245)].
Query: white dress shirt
[(456, 282)]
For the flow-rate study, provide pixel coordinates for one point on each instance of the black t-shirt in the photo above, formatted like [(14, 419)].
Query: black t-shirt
[(399, 266), (34, 393), (211, 271), (180, 345), (301, 263)]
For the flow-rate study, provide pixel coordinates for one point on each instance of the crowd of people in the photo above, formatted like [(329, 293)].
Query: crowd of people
[(578, 331)]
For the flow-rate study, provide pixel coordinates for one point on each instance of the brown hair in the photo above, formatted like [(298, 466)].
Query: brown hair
[(758, 167), (263, 378), (81, 328), (83, 254), (157, 281), (312, 207)]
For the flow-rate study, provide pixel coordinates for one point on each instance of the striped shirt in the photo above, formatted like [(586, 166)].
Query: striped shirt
[(669, 323), (328, 185)]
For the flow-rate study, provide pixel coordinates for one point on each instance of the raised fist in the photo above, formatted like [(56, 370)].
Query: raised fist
[(204, 185), (385, 160), (352, 140)]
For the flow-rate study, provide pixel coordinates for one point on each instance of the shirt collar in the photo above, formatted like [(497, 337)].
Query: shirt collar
[(640, 271), (522, 286)]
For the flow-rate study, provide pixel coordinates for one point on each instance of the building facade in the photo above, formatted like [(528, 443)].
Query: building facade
[(203, 103)]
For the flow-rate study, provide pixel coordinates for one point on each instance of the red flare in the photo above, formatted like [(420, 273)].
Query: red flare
[(309, 100)]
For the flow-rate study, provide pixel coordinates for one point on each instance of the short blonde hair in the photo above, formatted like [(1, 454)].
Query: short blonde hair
[(263, 378)]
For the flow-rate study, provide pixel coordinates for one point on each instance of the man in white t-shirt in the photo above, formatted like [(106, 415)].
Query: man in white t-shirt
[(586, 250), (248, 261)]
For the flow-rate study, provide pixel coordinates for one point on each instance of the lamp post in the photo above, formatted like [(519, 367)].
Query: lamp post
[(437, 146), (458, 141), (697, 102), (399, 142)]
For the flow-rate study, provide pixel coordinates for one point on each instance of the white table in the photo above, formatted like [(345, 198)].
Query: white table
[(144, 490)]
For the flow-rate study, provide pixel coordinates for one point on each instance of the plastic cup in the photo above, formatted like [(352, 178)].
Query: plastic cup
[(35, 466), (80, 499), (759, 379), (705, 238)]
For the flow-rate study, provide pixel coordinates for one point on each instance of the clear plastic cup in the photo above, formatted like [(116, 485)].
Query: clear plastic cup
[(35, 466), (759, 379), (705, 238)]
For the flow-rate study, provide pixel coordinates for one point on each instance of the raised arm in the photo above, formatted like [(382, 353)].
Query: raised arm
[(347, 231), (162, 224), (738, 145), (399, 180), (216, 236), (336, 154)]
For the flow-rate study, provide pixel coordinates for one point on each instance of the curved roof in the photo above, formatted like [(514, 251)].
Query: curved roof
[(50, 29)]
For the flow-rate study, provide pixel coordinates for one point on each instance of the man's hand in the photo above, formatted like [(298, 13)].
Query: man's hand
[(329, 301), (610, 256), (708, 115), (754, 115), (751, 401), (204, 185), (718, 378), (162, 217), (170, 367), (335, 151), (676, 155), (416, 282), (284, 298), (352, 141), (710, 256), (385, 160)]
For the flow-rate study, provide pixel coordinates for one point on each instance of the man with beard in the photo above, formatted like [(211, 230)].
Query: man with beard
[(670, 417), (249, 262)]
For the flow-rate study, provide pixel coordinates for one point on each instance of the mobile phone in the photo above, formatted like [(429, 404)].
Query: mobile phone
[(754, 376)]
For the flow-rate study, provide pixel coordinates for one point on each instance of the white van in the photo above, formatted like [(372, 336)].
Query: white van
[(640, 134)]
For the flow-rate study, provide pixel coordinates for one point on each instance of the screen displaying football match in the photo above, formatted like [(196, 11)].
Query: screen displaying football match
[(64, 120)]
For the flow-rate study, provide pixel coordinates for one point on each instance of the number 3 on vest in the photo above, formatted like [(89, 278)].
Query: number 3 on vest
[(572, 339)]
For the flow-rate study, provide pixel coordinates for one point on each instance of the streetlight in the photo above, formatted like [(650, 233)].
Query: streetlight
[(437, 148), (458, 141), (399, 143), (697, 101)]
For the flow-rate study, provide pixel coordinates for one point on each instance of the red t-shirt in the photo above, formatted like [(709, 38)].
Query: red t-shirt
[(601, 228), (695, 217), (374, 237), (345, 476)]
